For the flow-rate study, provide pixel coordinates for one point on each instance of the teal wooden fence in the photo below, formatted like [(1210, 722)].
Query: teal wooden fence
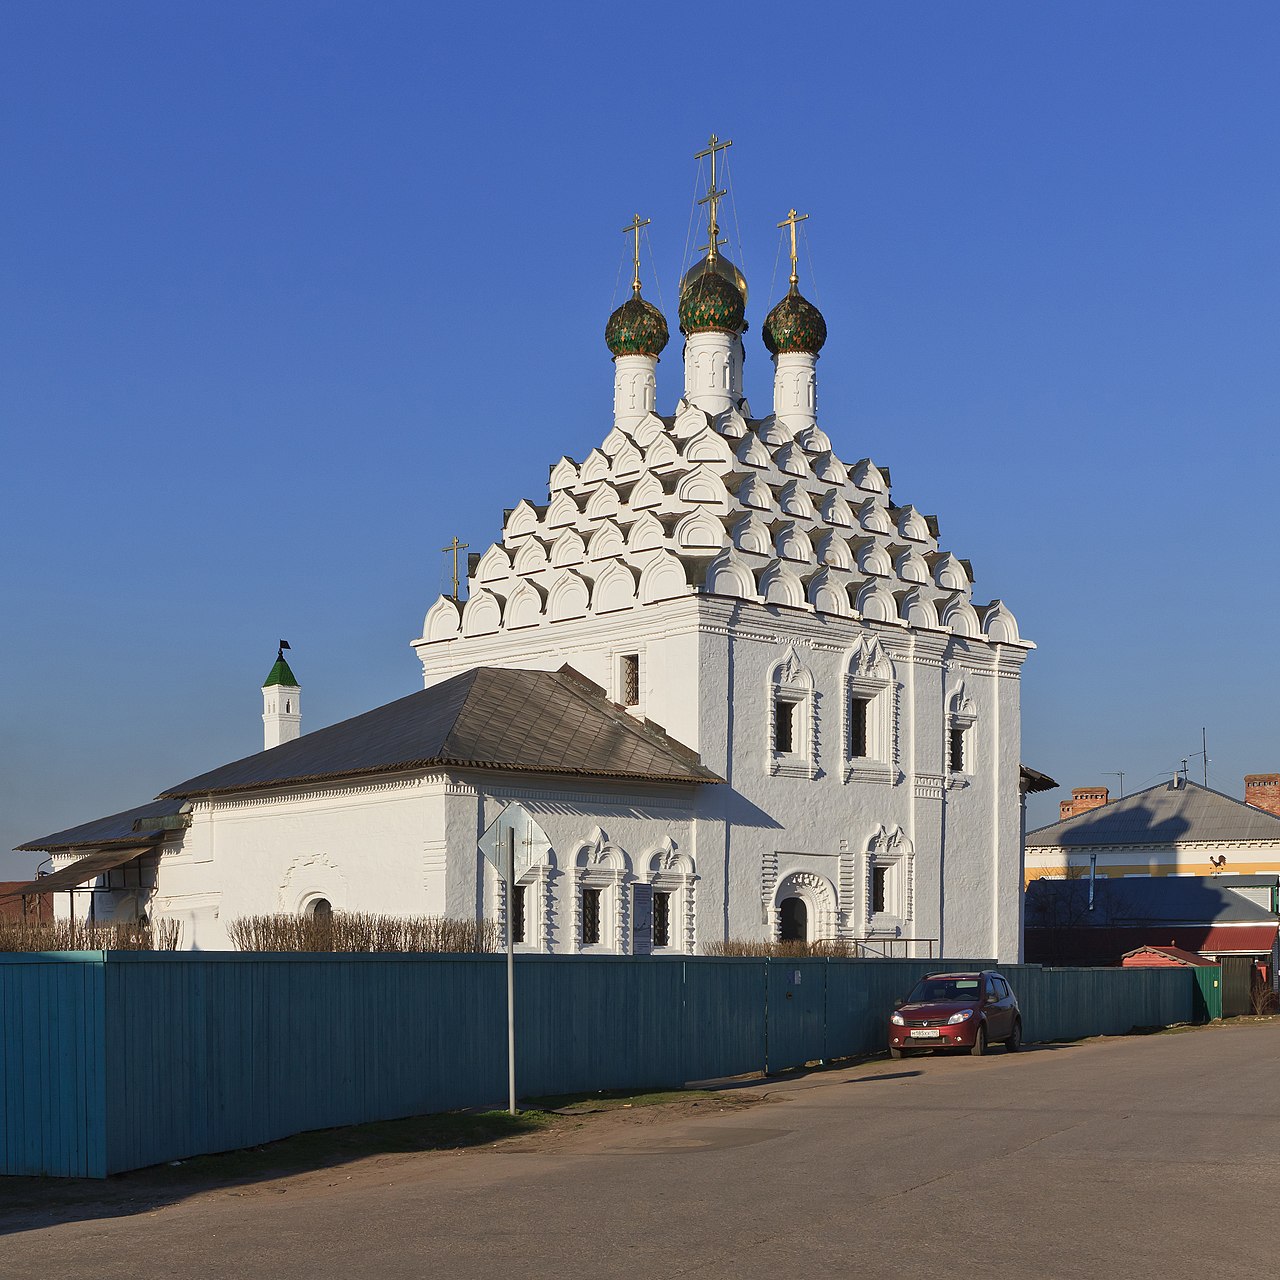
[(117, 1060)]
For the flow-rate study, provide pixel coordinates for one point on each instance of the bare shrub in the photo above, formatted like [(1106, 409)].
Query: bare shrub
[(89, 935), (823, 948), (1262, 1000), (361, 931)]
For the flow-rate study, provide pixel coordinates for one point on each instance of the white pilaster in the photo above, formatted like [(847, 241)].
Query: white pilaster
[(795, 390), (635, 390)]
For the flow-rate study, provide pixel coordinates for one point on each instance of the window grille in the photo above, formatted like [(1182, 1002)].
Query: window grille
[(590, 917), (629, 680), (661, 919), (858, 708), (518, 913), (879, 882), (955, 751), (784, 727)]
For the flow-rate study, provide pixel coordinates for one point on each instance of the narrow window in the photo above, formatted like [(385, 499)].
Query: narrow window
[(955, 749), (517, 914), (590, 917), (661, 919), (784, 726), (629, 679), (879, 880), (858, 727)]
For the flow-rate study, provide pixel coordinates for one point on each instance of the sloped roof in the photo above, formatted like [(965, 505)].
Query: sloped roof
[(1140, 900), (486, 718), (115, 829), (1163, 814), (1180, 954), (281, 674)]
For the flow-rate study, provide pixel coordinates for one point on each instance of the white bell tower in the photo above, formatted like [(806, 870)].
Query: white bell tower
[(281, 704)]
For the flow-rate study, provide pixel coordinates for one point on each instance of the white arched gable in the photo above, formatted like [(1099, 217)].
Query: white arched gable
[(917, 610), (568, 597), (646, 534), (731, 423), (647, 492), (962, 618), (828, 594), (829, 468), (607, 541), (699, 531), (949, 574), (690, 421), (525, 606), (494, 565), (482, 614), (873, 517), (794, 501), (703, 486), (532, 556), (792, 543), (595, 467), (648, 429), (790, 673), (832, 549), (779, 585), (615, 589), (613, 442), (866, 475), (603, 503), (960, 703), (627, 462), (790, 460), (753, 492), (562, 511), (568, 549), (661, 454), (813, 439), (876, 604), (911, 524), (752, 534), (728, 576), (663, 579), (521, 521), (443, 620), (911, 567), (752, 453), (867, 660), (709, 449), (890, 849), (564, 475), (771, 433), (835, 510), (873, 558), (999, 624)]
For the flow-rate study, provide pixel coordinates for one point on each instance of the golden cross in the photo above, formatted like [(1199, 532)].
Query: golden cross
[(634, 229), (790, 221), (455, 546), (714, 195)]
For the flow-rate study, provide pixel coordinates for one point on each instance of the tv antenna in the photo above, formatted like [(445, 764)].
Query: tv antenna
[(1117, 773)]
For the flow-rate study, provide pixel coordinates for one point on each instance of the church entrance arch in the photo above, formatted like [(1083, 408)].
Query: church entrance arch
[(804, 908), (793, 920)]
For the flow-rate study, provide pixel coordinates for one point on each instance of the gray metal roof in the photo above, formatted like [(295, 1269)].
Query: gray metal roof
[(117, 828), (78, 873), (1163, 814), (487, 718), (1130, 900)]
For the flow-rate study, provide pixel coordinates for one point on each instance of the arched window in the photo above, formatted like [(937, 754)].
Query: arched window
[(793, 920), (320, 909)]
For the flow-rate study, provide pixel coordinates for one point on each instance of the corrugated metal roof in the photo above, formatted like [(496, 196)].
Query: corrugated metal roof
[(487, 718), (78, 873), (1163, 814), (117, 828), (1140, 900), (1180, 954)]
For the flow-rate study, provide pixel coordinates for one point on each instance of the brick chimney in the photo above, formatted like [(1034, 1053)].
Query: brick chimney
[(1262, 790), (1085, 798)]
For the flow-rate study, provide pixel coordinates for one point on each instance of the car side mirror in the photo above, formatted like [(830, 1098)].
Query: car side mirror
[(898, 1002)]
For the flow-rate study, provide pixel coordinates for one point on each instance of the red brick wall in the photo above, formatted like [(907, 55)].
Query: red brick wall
[(1262, 790), (1082, 800)]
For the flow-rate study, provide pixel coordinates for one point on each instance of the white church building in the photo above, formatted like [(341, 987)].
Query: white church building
[(732, 688)]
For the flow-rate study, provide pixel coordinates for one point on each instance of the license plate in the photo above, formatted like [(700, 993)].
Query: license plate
[(926, 1033)]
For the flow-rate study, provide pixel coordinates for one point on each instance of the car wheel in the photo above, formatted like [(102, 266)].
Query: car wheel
[(1014, 1042), (895, 1053), (979, 1043)]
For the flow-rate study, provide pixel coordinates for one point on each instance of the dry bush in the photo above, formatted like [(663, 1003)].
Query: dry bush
[(88, 935), (1262, 1000), (833, 948), (359, 931)]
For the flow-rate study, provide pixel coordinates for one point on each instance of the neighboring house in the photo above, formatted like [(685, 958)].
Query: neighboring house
[(786, 716), (1164, 958), (1083, 921), (1174, 828), (38, 906)]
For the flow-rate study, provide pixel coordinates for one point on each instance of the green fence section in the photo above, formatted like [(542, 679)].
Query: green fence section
[(117, 1060)]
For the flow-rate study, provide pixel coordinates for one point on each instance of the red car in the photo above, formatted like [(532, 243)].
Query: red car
[(957, 1011)]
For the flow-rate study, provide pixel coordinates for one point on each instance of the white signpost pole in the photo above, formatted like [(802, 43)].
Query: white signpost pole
[(511, 969)]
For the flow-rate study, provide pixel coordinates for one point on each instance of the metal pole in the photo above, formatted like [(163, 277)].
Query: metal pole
[(511, 970)]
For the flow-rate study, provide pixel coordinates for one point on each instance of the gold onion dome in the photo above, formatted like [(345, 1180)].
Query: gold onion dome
[(713, 298), (795, 324), (637, 328)]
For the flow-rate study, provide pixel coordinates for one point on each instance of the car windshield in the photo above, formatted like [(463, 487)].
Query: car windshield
[(929, 990)]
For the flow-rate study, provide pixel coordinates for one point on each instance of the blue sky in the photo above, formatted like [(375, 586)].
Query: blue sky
[(292, 293)]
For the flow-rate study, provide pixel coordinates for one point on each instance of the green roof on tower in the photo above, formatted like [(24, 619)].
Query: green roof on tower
[(280, 673)]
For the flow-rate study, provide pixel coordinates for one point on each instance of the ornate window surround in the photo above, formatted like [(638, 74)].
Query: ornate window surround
[(601, 864), (869, 675), (962, 714), (791, 681), (889, 847), (817, 894), (672, 872)]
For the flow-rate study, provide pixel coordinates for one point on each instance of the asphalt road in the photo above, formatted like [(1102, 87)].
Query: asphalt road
[(1152, 1156)]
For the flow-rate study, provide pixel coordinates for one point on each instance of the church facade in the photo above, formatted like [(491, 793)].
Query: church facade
[(730, 688)]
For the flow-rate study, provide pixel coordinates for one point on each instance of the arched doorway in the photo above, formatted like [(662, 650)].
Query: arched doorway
[(793, 920)]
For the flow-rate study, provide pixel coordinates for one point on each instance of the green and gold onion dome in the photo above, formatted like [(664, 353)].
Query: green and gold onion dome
[(795, 324), (637, 328), (713, 298)]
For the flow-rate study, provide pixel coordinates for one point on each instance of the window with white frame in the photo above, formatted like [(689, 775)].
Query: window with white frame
[(870, 746), (793, 725), (601, 870), (628, 680), (961, 733), (672, 877), (889, 889)]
